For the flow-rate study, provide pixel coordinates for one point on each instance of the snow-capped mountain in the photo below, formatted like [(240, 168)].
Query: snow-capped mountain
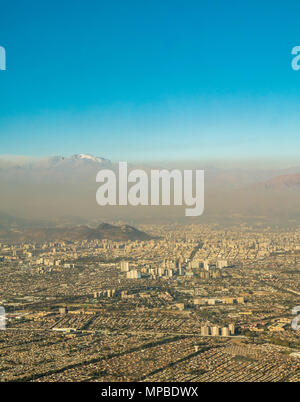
[(89, 157), (77, 159), (58, 160), (55, 169)]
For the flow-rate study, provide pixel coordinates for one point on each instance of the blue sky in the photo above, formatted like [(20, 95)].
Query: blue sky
[(151, 80)]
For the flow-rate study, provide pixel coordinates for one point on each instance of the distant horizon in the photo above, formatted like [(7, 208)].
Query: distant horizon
[(251, 164)]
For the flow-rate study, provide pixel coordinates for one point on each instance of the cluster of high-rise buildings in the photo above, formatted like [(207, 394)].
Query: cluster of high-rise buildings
[(217, 331)]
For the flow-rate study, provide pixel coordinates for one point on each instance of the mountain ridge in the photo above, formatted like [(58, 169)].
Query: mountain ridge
[(282, 181), (76, 233)]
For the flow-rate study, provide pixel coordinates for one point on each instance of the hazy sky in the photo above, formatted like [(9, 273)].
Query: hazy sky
[(144, 80)]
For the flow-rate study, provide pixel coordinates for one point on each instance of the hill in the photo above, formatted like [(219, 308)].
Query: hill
[(80, 233)]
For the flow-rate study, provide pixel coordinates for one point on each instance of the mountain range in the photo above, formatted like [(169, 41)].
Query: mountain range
[(286, 181), (61, 191)]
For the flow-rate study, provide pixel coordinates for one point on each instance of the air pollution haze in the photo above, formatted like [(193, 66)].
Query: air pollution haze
[(64, 189)]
